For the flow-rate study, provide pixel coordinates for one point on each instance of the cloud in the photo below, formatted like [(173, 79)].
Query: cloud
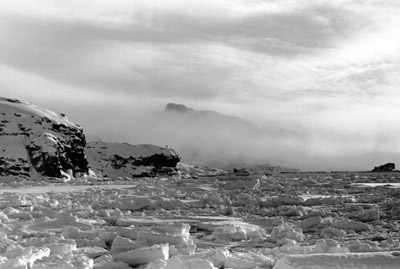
[(327, 70), (140, 47)]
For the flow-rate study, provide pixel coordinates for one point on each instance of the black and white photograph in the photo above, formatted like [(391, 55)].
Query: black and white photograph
[(199, 134)]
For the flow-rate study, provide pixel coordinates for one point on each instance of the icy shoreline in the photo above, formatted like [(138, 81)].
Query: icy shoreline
[(219, 222)]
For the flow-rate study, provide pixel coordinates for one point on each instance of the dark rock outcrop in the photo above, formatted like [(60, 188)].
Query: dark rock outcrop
[(34, 139), (389, 167), (241, 172), (171, 107), (123, 159)]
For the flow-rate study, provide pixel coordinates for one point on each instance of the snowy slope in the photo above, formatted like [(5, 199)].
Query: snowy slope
[(38, 142), (13, 107), (33, 139), (123, 159)]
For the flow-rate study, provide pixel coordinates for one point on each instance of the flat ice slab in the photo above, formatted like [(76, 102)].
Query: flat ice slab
[(62, 188), (371, 260), (391, 185)]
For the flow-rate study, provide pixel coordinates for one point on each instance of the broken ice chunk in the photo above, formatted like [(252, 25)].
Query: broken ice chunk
[(28, 257), (144, 255), (78, 261), (121, 244), (156, 264), (340, 260), (198, 264)]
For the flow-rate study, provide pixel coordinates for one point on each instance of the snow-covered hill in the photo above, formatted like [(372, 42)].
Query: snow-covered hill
[(35, 140), (123, 159), (38, 142)]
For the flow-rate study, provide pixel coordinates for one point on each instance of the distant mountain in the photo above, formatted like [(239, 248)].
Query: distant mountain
[(209, 138), (178, 108), (207, 117)]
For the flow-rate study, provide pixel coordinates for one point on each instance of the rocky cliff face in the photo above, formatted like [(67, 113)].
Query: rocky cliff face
[(123, 159), (389, 167), (34, 140)]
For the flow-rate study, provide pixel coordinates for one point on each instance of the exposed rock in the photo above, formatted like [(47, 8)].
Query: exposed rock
[(34, 139), (389, 167), (123, 159), (171, 107), (241, 172)]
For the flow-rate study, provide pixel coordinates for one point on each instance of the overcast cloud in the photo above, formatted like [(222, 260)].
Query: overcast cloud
[(326, 72)]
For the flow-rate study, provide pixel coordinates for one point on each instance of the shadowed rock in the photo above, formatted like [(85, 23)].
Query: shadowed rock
[(123, 159), (389, 167), (36, 139)]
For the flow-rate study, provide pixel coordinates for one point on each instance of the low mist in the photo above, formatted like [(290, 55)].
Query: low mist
[(208, 138)]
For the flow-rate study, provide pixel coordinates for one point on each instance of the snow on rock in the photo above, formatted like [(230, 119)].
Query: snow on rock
[(34, 139), (123, 159), (381, 260), (38, 142)]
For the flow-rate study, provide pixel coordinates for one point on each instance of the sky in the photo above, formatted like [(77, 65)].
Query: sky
[(324, 73)]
